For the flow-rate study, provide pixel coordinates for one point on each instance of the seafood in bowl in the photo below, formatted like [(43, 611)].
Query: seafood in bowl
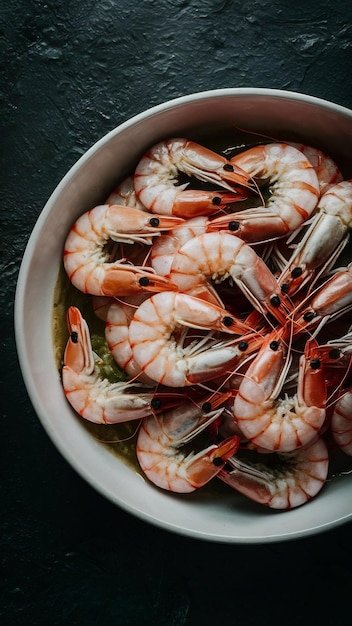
[(201, 336)]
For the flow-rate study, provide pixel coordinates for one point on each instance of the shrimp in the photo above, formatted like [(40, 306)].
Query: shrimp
[(274, 423), (159, 448), (170, 360), (287, 480), (93, 397), (156, 178), (118, 318), (329, 301), (324, 240), (219, 255), (341, 421), (326, 169), (165, 247), (86, 258), (293, 193)]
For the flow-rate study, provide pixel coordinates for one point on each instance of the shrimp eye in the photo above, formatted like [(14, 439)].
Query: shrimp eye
[(228, 167), (144, 281), (206, 407), (234, 225), (216, 200), (243, 345), (155, 403), (334, 353), (274, 345), (74, 337), (154, 221), (315, 364), (227, 320), (275, 301), (217, 461), (296, 272), (284, 288), (308, 316)]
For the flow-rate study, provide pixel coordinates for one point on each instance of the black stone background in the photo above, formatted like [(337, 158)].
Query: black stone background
[(71, 71)]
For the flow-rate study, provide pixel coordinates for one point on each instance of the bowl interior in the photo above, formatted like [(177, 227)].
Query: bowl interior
[(229, 518)]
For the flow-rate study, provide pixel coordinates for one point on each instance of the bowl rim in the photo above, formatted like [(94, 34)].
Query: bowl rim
[(23, 276)]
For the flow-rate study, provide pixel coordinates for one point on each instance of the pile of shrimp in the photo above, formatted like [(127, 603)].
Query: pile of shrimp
[(220, 280)]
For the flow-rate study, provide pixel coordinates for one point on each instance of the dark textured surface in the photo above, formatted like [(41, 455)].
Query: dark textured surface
[(71, 71)]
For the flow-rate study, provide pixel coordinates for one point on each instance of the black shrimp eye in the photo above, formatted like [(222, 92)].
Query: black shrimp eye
[(296, 272), (274, 345), (284, 288), (315, 364), (243, 345), (154, 221), (216, 200), (217, 461), (275, 301), (234, 225), (206, 407), (334, 353), (144, 281), (155, 403), (228, 167), (74, 337), (227, 321), (308, 316)]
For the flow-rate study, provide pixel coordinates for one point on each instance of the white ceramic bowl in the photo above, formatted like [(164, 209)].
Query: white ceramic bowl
[(231, 518)]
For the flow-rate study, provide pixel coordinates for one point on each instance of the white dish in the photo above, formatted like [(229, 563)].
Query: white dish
[(229, 518)]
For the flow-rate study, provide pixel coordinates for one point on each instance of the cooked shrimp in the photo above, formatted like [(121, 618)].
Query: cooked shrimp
[(341, 421), (286, 480), (324, 240), (87, 260), (165, 247), (118, 319), (326, 169), (172, 361), (219, 255), (156, 179), (91, 395), (271, 422), (329, 301), (293, 193), (159, 448)]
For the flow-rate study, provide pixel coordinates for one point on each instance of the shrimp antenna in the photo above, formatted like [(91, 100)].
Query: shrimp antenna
[(123, 439), (255, 134)]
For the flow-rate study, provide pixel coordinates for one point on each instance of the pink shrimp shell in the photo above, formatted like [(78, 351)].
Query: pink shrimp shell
[(306, 474)]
